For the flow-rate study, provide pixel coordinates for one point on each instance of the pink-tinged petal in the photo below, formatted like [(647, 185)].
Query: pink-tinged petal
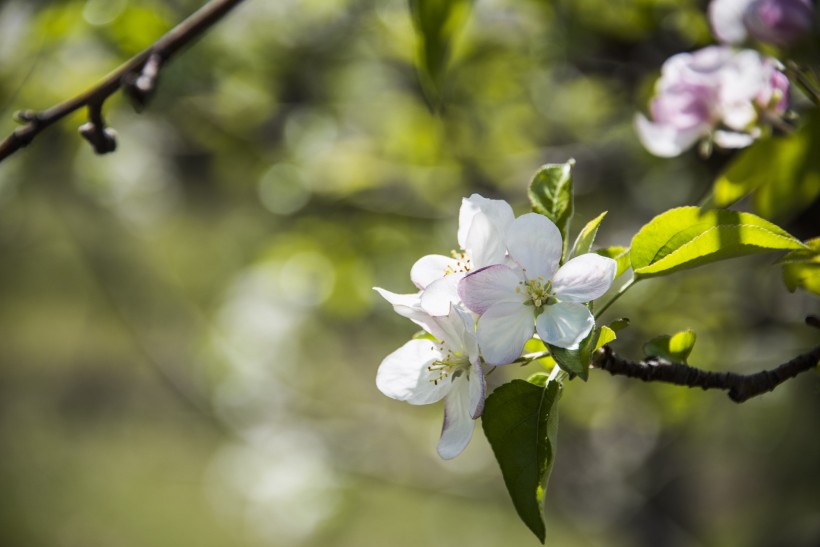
[(439, 295), (429, 268), (534, 242), (478, 390), (667, 141), (458, 426), (503, 330), (584, 278), (404, 375), (497, 211), (481, 289), (564, 324), (485, 244)]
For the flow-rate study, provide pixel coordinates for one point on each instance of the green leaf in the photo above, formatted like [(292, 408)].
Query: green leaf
[(584, 241), (520, 421), (620, 255), (539, 379), (551, 195), (785, 172), (619, 324), (607, 335), (675, 347), (576, 361), (688, 237), (801, 269), (436, 23)]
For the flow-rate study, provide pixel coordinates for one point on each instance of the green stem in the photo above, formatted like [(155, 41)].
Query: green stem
[(621, 291)]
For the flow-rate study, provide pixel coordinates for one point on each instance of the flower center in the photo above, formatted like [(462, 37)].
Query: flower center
[(452, 365), (537, 293), (463, 263)]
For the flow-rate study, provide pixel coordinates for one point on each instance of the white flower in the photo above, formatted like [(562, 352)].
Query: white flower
[(423, 371), (534, 295), (482, 223)]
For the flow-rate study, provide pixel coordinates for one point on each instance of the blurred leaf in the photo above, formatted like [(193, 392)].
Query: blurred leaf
[(576, 361), (535, 345), (785, 172), (585, 239), (436, 22), (675, 347), (688, 237), (620, 255), (520, 421), (551, 195), (801, 269)]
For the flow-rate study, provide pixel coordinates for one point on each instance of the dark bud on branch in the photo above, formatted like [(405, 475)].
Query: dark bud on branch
[(102, 138), (140, 86)]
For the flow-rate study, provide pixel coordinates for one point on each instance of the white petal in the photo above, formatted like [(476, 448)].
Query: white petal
[(403, 375), (564, 324), (484, 244), (726, 19), (478, 390), (458, 426), (584, 278), (667, 141), (409, 306), (481, 289), (401, 300), (534, 242), (429, 268), (498, 212), (732, 139), (503, 330), (439, 295)]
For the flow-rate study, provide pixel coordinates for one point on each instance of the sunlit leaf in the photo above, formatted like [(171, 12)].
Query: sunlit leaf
[(551, 195), (620, 255), (675, 347), (520, 421), (784, 172), (585, 239), (801, 269), (688, 237)]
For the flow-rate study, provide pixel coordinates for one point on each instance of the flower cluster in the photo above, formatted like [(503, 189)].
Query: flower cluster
[(717, 93), (720, 94), (778, 22), (481, 305)]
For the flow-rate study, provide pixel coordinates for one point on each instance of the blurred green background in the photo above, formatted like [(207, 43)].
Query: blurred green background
[(188, 335)]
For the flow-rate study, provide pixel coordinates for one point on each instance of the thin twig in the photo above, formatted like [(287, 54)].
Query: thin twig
[(138, 75), (741, 387)]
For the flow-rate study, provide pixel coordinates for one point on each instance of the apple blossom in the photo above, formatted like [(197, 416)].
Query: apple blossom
[(715, 93), (481, 226), (778, 22), (534, 295), (424, 371)]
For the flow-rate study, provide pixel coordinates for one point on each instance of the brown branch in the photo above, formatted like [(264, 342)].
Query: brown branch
[(741, 387), (138, 76)]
